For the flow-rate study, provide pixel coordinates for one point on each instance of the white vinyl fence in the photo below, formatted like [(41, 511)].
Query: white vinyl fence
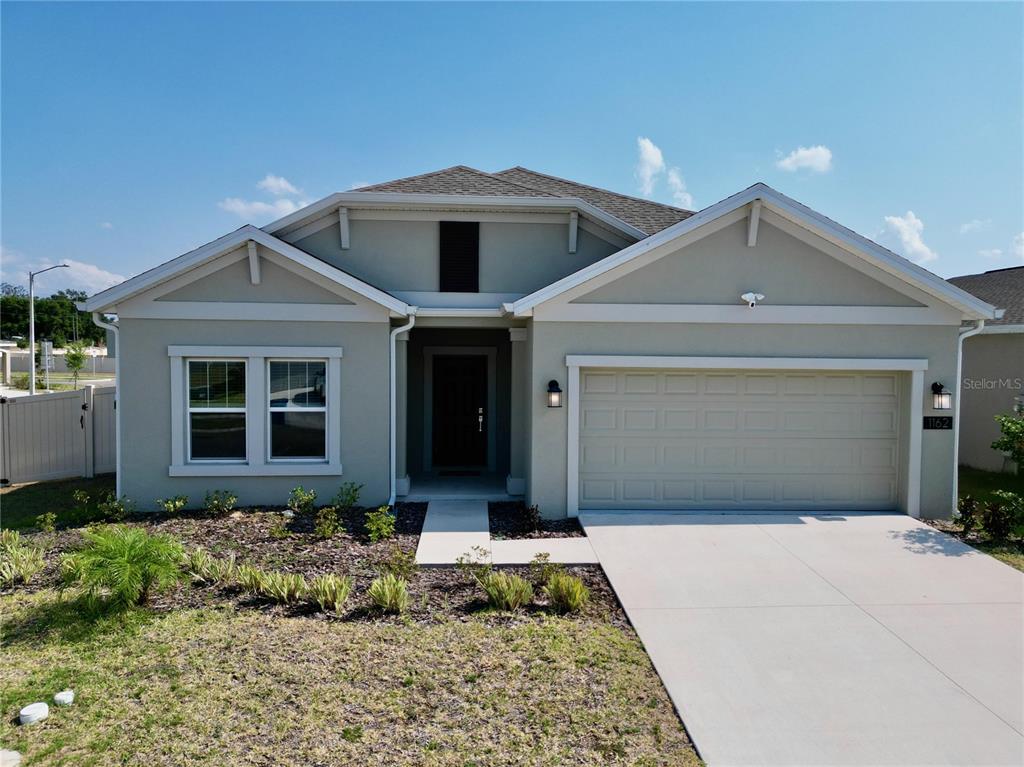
[(53, 436)]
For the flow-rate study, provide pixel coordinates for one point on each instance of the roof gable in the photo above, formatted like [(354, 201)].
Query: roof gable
[(458, 179)]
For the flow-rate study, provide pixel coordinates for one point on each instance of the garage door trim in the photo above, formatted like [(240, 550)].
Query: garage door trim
[(576, 362)]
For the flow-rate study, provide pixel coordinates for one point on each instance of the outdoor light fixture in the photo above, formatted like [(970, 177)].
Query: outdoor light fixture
[(554, 394), (941, 399)]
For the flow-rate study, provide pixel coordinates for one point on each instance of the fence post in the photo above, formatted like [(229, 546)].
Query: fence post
[(5, 452), (88, 429), (7, 367)]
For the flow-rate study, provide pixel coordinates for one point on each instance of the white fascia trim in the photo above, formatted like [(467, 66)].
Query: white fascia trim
[(971, 306), (741, 363), (223, 245), (275, 312), (396, 199), (327, 352), (995, 330), (434, 299), (463, 312), (743, 315), (291, 469)]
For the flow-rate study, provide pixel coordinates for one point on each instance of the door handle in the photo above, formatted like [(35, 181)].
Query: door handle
[(480, 419)]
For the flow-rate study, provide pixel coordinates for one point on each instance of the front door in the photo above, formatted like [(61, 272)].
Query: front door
[(460, 411)]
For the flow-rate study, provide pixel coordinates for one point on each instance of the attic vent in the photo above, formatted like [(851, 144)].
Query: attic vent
[(460, 256)]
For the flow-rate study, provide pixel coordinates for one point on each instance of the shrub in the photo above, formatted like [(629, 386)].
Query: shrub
[(506, 591), (533, 517), (327, 524), (173, 505), (219, 502), (542, 568), (81, 499), (46, 522), (286, 588), (19, 561), (348, 496), (330, 592), (1012, 440), (567, 593), (279, 529), (123, 564), (389, 594), (380, 524), (115, 509), (969, 513), (19, 380), (1003, 515), (476, 563), (252, 579), (301, 500), (399, 563)]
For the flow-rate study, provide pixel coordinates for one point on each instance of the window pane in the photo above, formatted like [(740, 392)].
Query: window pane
[(218, 435), (298, 435), (216, 384), (298, 384)]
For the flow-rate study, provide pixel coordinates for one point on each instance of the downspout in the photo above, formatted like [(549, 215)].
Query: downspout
[(979, 325), (393, 469), (98, 320)]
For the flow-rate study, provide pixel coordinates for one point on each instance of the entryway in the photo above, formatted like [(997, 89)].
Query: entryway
[(860, 639)]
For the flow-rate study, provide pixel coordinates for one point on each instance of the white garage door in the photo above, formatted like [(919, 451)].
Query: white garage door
[(734, 439)]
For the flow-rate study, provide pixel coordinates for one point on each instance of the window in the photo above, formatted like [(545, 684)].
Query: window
[(460, 256), (298, 409), (216, 410)]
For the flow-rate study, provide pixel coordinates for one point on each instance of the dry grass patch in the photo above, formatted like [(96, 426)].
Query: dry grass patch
[(220, 686)]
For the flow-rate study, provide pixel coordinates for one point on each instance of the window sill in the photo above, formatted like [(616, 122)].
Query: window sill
[(297, 469)]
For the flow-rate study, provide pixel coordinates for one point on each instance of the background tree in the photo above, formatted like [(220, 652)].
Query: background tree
[(57, 317), (74, 359)]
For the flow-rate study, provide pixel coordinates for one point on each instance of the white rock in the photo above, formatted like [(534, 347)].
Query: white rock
[(9, 758), (287, 513), (34, 712), (64, 698)]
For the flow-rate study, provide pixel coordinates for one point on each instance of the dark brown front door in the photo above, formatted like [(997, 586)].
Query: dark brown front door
[(460, 410)]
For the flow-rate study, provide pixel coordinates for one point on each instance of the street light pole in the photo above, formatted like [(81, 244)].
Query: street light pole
[(32, 325)]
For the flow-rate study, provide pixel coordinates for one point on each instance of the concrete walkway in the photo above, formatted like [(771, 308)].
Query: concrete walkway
[(794, 640), (456, 527)]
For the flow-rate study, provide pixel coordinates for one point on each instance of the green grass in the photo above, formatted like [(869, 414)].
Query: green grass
[(217, 687), (21, 504), (981, 484)]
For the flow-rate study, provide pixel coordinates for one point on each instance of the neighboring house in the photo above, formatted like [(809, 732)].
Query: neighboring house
[(441, 308), (993, 367)]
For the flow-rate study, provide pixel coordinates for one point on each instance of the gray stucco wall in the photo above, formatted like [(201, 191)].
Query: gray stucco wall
[(403, 255), (146, 420), (552, 341), (720, 267), (993, 377)]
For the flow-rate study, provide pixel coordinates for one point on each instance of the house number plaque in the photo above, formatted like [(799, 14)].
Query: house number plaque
[(938, 422)]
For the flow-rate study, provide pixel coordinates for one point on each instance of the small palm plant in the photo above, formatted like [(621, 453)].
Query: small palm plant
[(124, 565)]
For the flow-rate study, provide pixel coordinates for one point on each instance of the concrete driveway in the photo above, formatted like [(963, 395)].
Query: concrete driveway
[(829, 640)]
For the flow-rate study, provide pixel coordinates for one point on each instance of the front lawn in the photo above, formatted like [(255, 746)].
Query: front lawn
[(981, 484), (21, 504)]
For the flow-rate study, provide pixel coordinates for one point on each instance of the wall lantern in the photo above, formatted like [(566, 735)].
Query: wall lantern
[(554, 394), (941, 399)]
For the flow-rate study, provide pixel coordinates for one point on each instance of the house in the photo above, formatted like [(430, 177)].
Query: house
[(993, 367), (520, 333)]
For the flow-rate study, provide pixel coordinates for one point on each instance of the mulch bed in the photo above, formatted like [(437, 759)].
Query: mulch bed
[(511, 520), (256, 538)]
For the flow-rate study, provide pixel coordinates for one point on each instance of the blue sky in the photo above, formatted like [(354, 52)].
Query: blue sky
[(132, 133)]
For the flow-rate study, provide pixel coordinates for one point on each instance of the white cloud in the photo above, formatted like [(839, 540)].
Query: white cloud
[(975, 225), (909, 229), (1018, 246), (677, 184), (79, 275), (277, 185), (992, 254), (817, 159), (257, 209), (649, 165), (106, 225)]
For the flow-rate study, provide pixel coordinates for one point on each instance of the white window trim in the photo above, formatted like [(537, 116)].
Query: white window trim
[(189, 410), (326, 409), (256, 390), (577, 362)]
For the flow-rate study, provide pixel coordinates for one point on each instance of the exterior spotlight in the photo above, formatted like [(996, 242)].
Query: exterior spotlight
[(554, 394), (941, 399), (752, 298)]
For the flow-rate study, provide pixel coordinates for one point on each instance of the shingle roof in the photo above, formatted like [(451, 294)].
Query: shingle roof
[(1003, 288), (646, 215), (459, 179)]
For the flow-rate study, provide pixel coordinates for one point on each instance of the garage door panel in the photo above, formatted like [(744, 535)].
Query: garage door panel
[(734, 439)]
